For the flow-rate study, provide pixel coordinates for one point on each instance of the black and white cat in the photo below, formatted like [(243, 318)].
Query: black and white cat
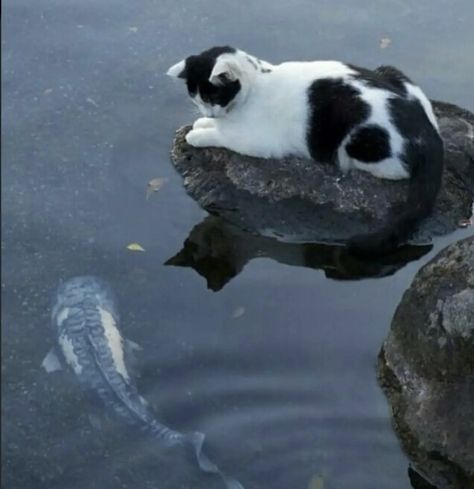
[(377, 121)]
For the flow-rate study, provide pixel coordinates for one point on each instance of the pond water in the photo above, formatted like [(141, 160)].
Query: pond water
[(251, 342)]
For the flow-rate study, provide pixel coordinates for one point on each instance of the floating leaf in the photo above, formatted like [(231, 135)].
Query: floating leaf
[(316, 482), (133, 29), (48, 91), (239, 312), (154, 185), (135, 247), (385, 43)]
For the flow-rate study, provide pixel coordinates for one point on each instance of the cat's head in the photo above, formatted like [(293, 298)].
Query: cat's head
[(217, 79)]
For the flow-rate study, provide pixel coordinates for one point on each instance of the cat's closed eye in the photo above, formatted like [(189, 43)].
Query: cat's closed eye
[(209, 98), (209, 93)]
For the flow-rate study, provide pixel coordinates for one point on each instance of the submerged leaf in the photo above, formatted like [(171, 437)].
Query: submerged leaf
[(239, 311), (154, 185), (316, 482), (135, 247), (385, 42), (91, 101)]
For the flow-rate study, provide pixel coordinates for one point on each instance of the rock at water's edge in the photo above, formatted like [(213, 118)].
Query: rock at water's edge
[(301, 200), (426, 368)]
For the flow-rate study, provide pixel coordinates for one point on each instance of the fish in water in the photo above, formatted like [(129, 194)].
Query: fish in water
[(85, 316)]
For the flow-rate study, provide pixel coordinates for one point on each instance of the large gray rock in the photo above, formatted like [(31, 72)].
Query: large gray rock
[(300, 200), (426, 367)]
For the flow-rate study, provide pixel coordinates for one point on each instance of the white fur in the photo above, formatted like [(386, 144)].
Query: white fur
[(279, 97), (176, 69), (269, 115), (417, 93), (390, 168), (227, 65)]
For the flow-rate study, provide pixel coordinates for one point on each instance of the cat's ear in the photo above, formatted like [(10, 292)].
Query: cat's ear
[(225, 70), (178, 70)]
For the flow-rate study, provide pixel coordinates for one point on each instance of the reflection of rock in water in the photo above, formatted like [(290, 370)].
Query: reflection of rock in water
[(219, 252), (302, 200), (417, 481), (426, 368)]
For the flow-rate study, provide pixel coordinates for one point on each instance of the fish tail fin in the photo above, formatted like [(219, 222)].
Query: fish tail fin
[(206, 465), (197, 441)]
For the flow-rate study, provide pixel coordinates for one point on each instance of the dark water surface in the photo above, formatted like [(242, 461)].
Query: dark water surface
[(275, 362)]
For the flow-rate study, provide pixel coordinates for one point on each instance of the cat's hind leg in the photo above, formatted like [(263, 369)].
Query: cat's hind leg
[(344, 161)]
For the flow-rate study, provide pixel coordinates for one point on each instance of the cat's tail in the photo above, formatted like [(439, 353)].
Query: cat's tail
[(425, 182)]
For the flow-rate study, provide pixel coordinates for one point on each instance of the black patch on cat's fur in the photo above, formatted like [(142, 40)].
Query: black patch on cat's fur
[(384, 77), (393, 76), (197, 71), (335, 109), (369, 144), (266, 70), (410, 118), (423, 157), (411, 121)]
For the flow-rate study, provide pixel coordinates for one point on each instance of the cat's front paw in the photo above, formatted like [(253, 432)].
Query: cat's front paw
[(204, 122), (201, 138)]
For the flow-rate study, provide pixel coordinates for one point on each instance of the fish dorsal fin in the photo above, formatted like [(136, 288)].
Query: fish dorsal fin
[(117, 377), (132, 345)]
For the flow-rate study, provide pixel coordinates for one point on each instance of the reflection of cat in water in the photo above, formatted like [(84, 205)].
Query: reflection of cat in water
[(377, 121), (210, 252), (219, 251)]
